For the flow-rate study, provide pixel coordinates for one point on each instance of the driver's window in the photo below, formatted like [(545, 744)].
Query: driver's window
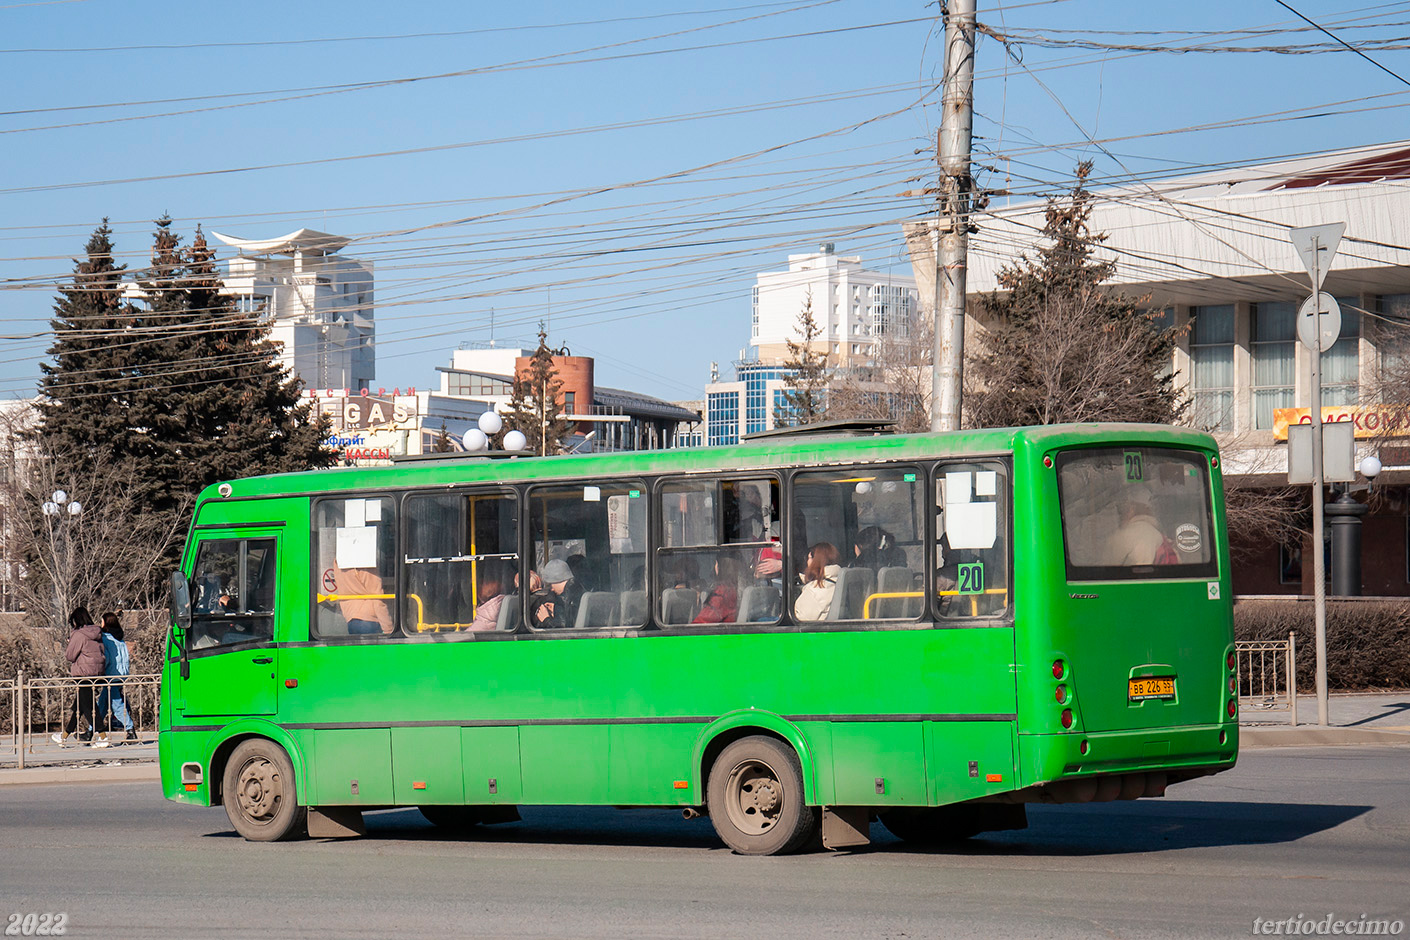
[(233, 592)]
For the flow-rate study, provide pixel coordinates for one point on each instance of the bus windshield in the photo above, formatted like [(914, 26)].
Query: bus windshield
[(1136, 513)]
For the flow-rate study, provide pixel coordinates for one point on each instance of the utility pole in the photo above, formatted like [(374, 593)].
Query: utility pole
[(952, 216)]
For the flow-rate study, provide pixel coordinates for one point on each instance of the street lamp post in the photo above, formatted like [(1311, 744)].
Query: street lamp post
[(56, 507)]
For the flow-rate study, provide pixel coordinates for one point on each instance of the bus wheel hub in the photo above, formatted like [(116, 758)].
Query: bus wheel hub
[(259, 789)]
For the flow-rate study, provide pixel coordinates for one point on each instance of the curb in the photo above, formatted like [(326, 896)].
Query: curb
[(104, 773), (1316, 736)]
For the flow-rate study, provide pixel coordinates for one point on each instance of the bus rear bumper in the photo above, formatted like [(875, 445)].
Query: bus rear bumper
[(1122, 764)]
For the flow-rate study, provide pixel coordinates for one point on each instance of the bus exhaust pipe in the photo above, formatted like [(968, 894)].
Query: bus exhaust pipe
[(693, 812)]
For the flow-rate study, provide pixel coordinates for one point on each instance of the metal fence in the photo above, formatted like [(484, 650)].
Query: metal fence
[(32, 709), (1268, 676)]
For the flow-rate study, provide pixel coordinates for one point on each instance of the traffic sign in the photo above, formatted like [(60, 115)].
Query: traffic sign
[(1316, 245), (1319, 321)]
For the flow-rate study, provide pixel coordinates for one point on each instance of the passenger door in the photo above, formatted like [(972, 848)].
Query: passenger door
[(230, 644)]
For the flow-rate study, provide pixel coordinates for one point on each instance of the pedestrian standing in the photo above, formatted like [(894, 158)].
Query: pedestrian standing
[(86, 663), (111, 703)]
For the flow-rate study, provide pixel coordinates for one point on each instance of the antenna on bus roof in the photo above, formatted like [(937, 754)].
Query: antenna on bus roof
[(842, 427)]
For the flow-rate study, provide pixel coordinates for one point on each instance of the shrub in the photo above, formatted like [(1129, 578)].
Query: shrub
[(1368, 642)]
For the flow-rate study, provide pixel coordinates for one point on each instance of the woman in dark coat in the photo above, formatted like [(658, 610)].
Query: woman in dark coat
[(86, 661)]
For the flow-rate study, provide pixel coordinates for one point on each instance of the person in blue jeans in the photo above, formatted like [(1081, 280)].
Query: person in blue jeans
[(118, 664)]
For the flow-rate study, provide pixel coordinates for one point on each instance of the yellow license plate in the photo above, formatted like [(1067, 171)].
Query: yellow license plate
[(1158, 687)]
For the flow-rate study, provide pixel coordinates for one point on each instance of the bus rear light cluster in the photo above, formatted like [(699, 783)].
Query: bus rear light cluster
[(1060, 694), (1232, 661), (1232, 685), (1233, 708), (1082, 748), (1067, 718), (1059, 668)]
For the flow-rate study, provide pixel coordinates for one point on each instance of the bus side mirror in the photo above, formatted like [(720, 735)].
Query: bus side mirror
[(181, 617)]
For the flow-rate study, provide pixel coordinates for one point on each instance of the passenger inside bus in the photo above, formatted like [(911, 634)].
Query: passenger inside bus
[(721, 605), (555, 605), (1138, 538), (494, 586), (816, 597), (359, 599)]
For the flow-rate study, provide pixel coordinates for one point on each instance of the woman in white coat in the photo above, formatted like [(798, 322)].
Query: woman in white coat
[(819, 583)]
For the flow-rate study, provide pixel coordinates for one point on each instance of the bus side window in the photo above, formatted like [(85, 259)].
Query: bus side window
[(972, 578), (234, 592), (720, 559), (354, 547), (864, 557), (598, 531), (460, 561)]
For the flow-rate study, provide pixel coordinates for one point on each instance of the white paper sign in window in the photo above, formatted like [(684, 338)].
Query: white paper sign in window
[(956, 487), (592, 494), (354, 513), (971, 525), (986, 483), (357, 548)]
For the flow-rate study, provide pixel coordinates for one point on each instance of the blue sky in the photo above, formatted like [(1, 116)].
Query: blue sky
[(619, 169)]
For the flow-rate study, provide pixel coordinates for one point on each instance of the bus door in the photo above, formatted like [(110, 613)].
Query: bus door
[(1147, 618), (230, 644)]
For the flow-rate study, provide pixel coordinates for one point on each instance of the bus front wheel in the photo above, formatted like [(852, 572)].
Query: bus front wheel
[(259, 792), (755, 794)]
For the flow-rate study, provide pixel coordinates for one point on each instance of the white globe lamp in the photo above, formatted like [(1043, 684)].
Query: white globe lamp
[(515, 440), (475, 441), (491, 422)]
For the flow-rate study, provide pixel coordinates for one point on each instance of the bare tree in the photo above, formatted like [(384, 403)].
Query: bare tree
[(894, 386), (94, 547)]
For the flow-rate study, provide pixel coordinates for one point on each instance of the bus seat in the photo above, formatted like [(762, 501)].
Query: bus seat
[(679, 605), (758, 603), (597, 609), (853, 586), (508, 619), (896, 580), (633, 609), (331, 622)]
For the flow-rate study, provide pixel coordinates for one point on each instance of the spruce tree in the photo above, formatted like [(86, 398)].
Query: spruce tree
[(1061, 347), (534, 403), (805, 393)]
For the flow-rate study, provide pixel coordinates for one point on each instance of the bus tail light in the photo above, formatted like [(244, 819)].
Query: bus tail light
[(1233, 707), (1060, 694), (1059, 668), (1067, 718), (1232, 660)]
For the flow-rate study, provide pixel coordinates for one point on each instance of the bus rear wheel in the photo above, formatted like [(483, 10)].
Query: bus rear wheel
[(755, 795), (259, 792)]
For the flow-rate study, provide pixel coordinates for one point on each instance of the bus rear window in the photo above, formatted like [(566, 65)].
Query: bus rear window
[(1136, 513)]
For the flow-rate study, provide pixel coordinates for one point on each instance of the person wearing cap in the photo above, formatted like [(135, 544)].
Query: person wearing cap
[(1139, 538), (556, 603)]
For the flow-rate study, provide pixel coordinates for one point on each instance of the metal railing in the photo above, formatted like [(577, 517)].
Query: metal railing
[(1267, 671), (31, 709)]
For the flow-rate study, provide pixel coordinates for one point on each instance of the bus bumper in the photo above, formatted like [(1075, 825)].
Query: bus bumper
[(1172, 753)]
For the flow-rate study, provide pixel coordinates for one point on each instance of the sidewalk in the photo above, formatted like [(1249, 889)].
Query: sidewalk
[(1352, 718), (47, 762)]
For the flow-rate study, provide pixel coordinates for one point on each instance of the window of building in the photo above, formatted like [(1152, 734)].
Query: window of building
[(1212, 367), (570, 403), (1273, 347), (355, 575), (1393, 335), (722, 417), (1341, 364), (461, 561), (754, 315)]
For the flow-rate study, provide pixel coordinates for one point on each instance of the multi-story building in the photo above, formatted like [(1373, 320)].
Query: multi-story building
[(855, 309), (319, 304), (1212, 253)]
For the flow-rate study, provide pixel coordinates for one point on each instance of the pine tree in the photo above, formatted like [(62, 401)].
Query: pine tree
[(805, 394), (534, 404), (1060, 347)]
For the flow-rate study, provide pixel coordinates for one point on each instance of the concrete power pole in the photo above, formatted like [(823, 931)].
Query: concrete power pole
[(952, 216)]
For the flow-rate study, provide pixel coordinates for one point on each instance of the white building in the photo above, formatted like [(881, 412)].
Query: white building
[(852, 306), (1212, 251), (319, 304)]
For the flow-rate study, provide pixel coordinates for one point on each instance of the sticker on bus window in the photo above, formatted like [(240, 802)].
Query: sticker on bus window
[(956, 487), (357, 547), (972, 525), (986, 483), (1135, 466), (633, 493), (908, 477), (969, 578), (372, 512), (592, 494), (354, 513)]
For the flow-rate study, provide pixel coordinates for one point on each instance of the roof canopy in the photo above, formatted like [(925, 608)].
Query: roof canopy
[(305, 239)]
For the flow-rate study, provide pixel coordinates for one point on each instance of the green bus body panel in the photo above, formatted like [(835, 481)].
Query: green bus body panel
[(907, 716)]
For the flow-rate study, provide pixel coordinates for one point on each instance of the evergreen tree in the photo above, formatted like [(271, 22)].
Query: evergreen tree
[(1062, 348), (534, 404), (441, 444), (805, 393)]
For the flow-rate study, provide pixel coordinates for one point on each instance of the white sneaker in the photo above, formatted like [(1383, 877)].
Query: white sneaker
[(100, 739), (60, 738)]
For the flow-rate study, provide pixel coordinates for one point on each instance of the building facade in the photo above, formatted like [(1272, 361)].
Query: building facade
[(1212, 254), (319, 304)]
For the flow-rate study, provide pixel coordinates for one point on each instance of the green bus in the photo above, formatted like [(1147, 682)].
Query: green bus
[(794, 635)]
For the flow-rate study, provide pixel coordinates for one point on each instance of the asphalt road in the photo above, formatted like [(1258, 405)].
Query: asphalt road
[(1310, 831)]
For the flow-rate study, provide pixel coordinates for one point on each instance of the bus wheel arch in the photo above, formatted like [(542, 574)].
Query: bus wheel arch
[(727, 729), (220, 756), (260, 791)]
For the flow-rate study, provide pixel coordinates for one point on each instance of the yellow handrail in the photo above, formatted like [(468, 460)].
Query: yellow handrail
[(973, 598), (866, 605)]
